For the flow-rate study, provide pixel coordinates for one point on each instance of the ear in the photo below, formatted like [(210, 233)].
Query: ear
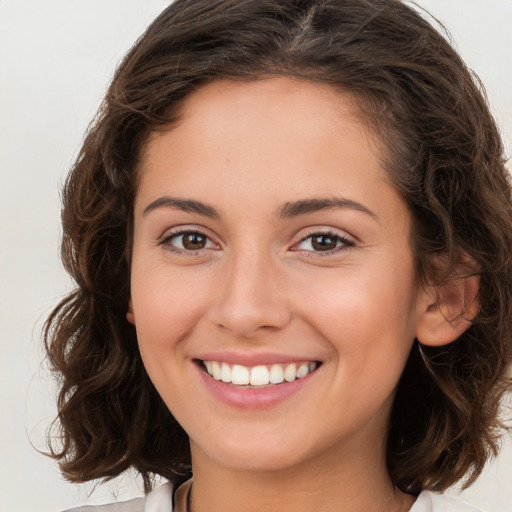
[(446, 311), (130, 316)]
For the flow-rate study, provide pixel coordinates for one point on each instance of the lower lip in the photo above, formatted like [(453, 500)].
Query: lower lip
[(254, 398)]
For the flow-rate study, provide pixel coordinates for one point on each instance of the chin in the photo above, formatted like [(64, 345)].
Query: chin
[(262, 456)]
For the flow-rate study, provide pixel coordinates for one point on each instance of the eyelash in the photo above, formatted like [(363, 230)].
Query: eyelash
[(166, 242), (346, 244)]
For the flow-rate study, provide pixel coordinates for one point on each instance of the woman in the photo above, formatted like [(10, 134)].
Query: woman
[(290, 229)]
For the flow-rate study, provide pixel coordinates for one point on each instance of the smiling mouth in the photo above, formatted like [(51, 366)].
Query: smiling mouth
[(258, 376)]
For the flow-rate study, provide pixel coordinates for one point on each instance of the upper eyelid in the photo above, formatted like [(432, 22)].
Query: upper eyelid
[(331, 233), (178, 230), (314, 230), (170, 236)]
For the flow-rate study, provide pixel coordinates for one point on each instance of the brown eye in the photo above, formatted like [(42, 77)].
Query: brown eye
[(193, 241), (329, 243), (187, 241), (324, 242)]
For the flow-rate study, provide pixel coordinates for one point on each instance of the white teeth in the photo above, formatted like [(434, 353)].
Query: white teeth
[(259, 376), (276, 374), (239, 375), (303, 370), (216, 371), (225, 375), (290, 373)]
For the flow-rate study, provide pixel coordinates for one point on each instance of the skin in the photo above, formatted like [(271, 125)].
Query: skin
[(259, 286)]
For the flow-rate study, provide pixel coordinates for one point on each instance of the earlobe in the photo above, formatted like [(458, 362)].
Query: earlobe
[(446, 311), (130, 316)]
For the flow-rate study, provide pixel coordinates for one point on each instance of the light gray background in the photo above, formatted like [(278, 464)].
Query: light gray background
[(56, 58)]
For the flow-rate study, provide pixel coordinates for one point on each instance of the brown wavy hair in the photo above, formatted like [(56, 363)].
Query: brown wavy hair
[(443, 153)]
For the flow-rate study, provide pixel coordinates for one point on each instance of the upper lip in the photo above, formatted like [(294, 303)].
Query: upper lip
[(253, 358)]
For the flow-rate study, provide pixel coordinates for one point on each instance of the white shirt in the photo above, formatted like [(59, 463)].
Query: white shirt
[(161, 500)]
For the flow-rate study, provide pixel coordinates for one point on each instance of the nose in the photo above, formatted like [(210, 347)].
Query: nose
[(251, 297)]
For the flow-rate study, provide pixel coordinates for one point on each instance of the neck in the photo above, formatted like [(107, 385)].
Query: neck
[(357, 484)]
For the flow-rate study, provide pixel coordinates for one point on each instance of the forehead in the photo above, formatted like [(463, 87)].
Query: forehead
[(283, 112), (228, 106), (281, 138), (286, 96)]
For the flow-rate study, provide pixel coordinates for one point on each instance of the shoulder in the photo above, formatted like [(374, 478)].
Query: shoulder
[(158, 499), (433, 502)]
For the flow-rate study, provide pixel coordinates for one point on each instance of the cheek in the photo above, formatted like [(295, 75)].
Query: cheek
[(369, 324), (361, 302), (167, 307), (367, 316), (166, 304)]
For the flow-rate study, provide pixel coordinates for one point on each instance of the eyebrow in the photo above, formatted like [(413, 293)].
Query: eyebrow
[(305, 206), (186, 205), (288, 210)]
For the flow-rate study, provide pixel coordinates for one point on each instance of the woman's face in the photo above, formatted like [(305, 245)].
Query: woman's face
[(270, 249)]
